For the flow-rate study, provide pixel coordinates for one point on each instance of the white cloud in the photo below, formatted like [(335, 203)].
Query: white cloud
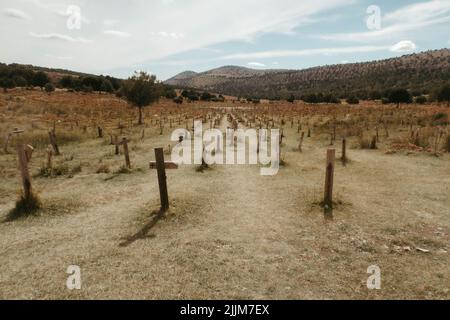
[(404, 46), (256, 65), (110, 22), (58, 57), (300, 53), (398, 22), (165, 34), (58, 36), (116, 33), (210, 23), (67, 13), (16, 13)]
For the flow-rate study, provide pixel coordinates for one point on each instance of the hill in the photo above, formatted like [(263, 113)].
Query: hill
[(420, 73)]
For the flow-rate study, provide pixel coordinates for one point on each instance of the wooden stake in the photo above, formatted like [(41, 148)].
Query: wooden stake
[(49, 158), (24, 155), (7, 139), (117, 144), (52, 137), (162, 179), (344, 151), (125, 151), (100, 132), (328, 197), (301, 142)]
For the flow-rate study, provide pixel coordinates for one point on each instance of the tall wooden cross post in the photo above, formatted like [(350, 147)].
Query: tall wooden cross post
[(161, 167), (328, 197), (24, 154)]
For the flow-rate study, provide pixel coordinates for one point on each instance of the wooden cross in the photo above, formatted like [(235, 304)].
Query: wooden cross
[(328, 196), (124, 143), (24, 155), (161, 167), (52, 137)]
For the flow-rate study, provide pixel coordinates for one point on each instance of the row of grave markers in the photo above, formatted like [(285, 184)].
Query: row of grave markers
[(25, 153)]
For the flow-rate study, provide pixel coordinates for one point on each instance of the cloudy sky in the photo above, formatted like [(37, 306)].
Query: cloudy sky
[(165, 37)]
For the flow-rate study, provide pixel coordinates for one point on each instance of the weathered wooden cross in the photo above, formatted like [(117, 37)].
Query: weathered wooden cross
[(328, 196), (124, 143), (8, 137), (24, 153), (161, 167)]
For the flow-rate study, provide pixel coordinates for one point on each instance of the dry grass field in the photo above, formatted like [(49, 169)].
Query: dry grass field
[(230, 233)]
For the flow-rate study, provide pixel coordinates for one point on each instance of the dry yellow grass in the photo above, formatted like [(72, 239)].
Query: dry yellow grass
[(230, 233)]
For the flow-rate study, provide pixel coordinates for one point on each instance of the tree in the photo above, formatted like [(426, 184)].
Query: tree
[(311, 98), (169, 93), (206, 96), (142, 90), (291, 99), (40, 79), (67, 82), (93, 82), (49, 87), (6, 84), (352, 100), (106, 86), (444, 94), (20, 81), (421, 100), (400, 96)]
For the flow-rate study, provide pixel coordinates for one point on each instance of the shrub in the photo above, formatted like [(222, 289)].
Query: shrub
[(444, 94), (60, 170), (421, 100), (178, 100), (352, 100), (440, 119), (40, 79), (206, 96), (49, 87), (400, 96), (103, 168)]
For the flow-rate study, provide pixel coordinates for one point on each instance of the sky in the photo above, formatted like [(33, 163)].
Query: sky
[(165, 37)]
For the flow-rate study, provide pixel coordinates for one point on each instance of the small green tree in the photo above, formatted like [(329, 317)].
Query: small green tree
[(142, 90), (67, 82), (6, 84), (40, 79), (400, 96), (352, 100), (421, 100), (106, 86), (206, 96), (291, 99), (169, 93), (444, 94)]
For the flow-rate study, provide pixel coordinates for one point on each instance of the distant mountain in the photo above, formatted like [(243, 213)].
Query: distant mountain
[(184, 76), (421, 73)]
